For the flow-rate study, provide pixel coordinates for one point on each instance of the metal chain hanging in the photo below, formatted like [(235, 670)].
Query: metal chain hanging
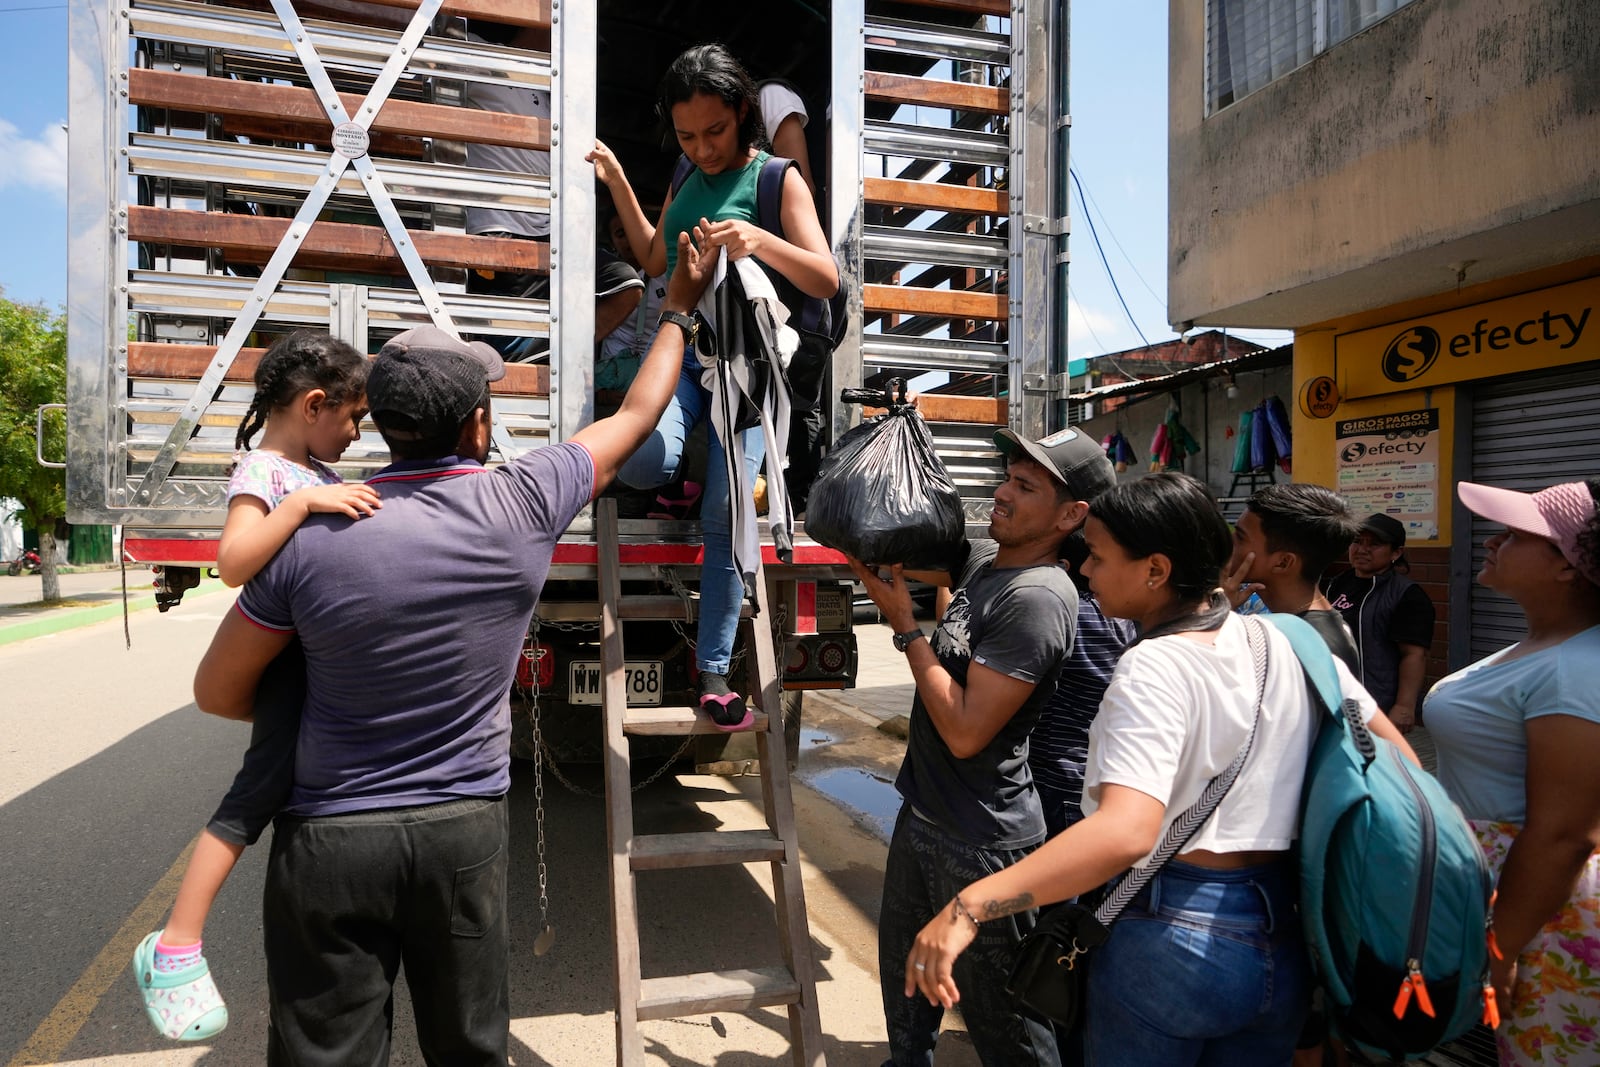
[(547, 934), (542, 756)]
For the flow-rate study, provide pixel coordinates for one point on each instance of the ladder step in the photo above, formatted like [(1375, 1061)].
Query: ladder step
[(658, 852), (708, 991), (677, 721)]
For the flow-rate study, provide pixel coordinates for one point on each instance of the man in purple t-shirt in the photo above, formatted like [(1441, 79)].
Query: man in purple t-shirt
[(392, 850)]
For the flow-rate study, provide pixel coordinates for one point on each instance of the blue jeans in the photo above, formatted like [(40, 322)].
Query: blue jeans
[(1204, 967), (656, 463), (927, 866)]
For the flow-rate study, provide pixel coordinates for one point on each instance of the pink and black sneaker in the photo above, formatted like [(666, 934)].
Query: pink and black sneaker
[(726, 708)]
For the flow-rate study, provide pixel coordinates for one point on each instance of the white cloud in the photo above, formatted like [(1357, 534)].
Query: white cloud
[(1091, 332), (34, 163)]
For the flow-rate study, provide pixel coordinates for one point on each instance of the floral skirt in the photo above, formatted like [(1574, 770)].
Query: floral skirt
[(1554, 1017)]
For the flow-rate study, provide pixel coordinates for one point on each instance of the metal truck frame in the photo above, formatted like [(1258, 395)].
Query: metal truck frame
[(244, 167)]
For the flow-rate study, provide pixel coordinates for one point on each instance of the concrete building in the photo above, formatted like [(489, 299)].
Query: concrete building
[(1413, 188)]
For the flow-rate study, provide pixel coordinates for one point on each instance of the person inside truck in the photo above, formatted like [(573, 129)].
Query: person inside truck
[(982, 681), (617, 289), (714, 110), (310, 395), (392, 849)]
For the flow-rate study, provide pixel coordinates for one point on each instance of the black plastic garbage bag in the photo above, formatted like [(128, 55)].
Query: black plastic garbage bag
[(883, 496)]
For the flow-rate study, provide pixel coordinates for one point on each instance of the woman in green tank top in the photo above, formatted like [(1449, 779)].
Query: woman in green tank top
[(714, 110)]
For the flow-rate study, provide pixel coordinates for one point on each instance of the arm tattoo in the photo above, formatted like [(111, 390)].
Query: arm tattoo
[(994, 909)]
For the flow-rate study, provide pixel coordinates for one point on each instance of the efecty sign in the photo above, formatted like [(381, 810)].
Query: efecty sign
[(1531, 331)]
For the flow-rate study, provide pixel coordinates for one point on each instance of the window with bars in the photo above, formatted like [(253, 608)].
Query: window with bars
[(1252, 42)]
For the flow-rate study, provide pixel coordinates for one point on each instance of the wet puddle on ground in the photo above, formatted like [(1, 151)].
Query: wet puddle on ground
[(810, 737), (871, 799)]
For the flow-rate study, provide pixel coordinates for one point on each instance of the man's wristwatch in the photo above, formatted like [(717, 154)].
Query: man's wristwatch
[(687, 323), (902, 641)]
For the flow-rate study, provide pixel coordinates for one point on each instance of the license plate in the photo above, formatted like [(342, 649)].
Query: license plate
[(643, 682)]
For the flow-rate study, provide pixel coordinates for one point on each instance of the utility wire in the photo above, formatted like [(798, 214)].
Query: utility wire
[(1104, 262), (1104, 352), (1083, 189), (1098, 343)]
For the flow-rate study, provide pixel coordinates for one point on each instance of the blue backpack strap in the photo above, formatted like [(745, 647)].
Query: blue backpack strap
[(680, 173), (1317, 662), (1315, 658), (769, 194)]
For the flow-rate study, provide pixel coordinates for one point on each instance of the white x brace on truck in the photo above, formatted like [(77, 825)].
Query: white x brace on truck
[(244, 167)]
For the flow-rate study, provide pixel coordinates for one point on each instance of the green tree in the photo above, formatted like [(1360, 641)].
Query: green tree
[(33, 371)]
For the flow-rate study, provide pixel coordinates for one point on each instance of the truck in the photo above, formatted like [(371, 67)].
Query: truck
[(241, 168)]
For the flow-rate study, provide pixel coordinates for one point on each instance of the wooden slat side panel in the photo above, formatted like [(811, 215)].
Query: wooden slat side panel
[(382, 145), (978, 410), (394, 14), (938, 196), (367, 246), (901, 89), (952, 303), (148, 359), (510, 12), (222, 96), (997, 8)]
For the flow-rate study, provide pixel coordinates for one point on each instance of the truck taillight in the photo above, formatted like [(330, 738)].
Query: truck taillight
[(537, 664)]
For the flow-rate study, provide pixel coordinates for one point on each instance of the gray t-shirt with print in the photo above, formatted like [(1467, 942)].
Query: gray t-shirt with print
[(1018, 621), (412, 620)]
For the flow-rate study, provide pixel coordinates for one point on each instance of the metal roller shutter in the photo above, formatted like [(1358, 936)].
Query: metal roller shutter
[(1527, 433)]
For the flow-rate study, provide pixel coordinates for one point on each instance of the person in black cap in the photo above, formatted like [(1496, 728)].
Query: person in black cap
[(982, 680), (1389, 614), (392, 850)]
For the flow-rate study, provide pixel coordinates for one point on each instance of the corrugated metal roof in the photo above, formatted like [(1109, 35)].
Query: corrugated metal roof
[(1166, 383)]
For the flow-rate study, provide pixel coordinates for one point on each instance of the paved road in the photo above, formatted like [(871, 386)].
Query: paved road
[(21, 589), (107, 772)]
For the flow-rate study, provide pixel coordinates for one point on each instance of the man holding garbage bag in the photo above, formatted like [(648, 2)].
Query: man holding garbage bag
[(982, 679)]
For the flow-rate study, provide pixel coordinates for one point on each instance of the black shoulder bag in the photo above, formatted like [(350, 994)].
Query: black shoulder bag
[(1051, 974)]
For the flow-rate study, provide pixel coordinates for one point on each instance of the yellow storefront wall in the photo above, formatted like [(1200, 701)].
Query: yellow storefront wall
[(1416, 339)]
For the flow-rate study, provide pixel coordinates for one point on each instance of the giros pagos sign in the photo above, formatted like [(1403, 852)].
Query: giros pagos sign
[(1548, 328)]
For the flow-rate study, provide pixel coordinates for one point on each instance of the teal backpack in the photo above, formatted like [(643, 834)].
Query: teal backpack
[(1394, 888)]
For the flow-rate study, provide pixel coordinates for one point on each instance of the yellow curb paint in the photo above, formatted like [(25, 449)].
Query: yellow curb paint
[(50, 1041)]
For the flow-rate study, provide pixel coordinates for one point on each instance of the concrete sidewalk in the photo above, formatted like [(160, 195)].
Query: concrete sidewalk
[(88, 597)]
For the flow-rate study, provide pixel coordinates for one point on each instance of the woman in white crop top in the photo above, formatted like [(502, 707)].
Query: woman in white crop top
[(1206, 965)]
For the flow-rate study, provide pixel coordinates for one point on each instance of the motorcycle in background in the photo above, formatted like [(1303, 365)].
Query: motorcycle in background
[(29, 561)]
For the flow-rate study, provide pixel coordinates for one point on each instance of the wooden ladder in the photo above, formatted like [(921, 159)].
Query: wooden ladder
[(793, 983)]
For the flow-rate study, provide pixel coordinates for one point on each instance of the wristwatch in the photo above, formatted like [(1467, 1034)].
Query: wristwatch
[(687, 323), (902, 641)]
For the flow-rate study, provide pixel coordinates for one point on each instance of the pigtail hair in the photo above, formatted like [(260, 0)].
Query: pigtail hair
[(297, 362)]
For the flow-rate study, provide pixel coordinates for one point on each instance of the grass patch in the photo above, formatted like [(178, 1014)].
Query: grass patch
[(64, 602)]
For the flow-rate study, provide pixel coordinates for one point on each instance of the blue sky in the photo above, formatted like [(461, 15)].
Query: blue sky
[(1119, 147)]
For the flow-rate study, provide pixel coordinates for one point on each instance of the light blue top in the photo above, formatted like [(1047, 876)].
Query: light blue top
[(1477, 717)]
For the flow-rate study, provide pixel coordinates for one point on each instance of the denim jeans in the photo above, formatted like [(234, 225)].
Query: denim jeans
[(351, 899), (1203, 967), (655, 463), (926, 867)]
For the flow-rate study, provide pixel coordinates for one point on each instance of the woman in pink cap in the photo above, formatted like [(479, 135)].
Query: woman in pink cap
[(1517, 735)]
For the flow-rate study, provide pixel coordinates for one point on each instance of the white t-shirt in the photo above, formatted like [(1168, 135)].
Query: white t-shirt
[(778, 102), (1176, 714)]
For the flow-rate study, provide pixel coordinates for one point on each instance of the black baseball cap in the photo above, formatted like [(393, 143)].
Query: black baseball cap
[(1075, 458), (1388, 530), (425, 382)]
